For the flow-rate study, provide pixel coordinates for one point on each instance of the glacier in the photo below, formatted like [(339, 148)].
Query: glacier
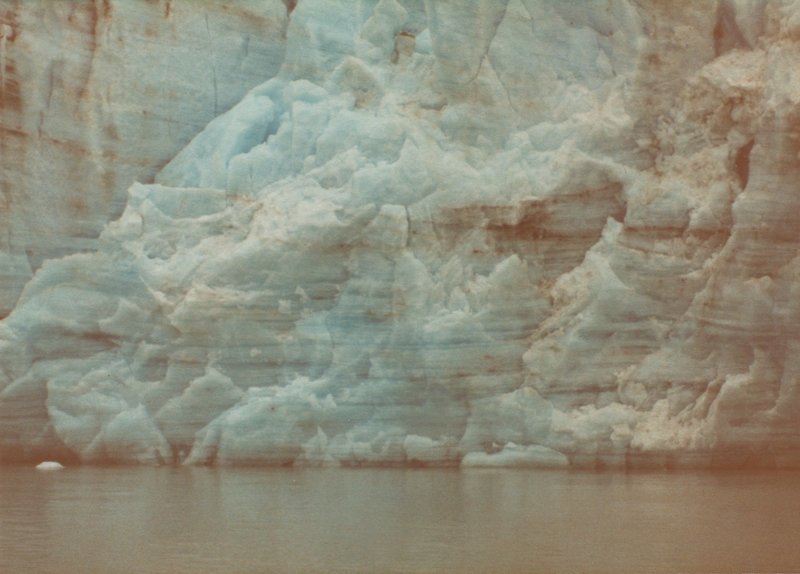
[(488, 233)]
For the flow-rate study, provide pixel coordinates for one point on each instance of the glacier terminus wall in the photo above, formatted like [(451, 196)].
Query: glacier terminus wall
[(434, 232)]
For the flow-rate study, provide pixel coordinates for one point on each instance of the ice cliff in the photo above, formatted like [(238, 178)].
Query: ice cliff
[(97, 94), (487, 233)]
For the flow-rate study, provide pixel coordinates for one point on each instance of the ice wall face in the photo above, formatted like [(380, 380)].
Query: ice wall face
[(485, 233), (95, 95)]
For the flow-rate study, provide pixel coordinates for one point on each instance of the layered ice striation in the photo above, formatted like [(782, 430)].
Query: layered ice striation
[(488, 233)]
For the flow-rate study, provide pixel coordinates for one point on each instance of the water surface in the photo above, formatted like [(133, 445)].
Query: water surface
[(174, 520)]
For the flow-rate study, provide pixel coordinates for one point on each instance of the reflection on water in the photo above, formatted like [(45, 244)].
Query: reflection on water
[(172, 520)]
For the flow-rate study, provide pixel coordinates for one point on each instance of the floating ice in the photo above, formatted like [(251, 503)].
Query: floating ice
[(49, 465)]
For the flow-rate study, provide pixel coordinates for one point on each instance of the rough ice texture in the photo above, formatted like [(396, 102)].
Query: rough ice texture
[(489, 233), (95, 95)]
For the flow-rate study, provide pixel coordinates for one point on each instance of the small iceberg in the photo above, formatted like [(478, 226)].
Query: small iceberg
[(517, 456), (49, 465)]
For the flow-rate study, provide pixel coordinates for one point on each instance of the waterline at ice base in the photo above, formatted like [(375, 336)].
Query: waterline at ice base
[(491, 233)]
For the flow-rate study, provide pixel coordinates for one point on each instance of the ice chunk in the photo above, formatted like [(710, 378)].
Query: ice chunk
[(49, 465), (513, 455)]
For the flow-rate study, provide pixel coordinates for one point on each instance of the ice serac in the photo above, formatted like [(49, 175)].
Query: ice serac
[(95, 95), (518, 233)]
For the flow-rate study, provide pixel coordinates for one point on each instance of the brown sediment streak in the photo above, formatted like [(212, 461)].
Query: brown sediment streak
[(76, 148), (635, 235), (71, 147), (9, 84), (10, 132), (560, 228), (741, 163), (86, 23), (12, 138)]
